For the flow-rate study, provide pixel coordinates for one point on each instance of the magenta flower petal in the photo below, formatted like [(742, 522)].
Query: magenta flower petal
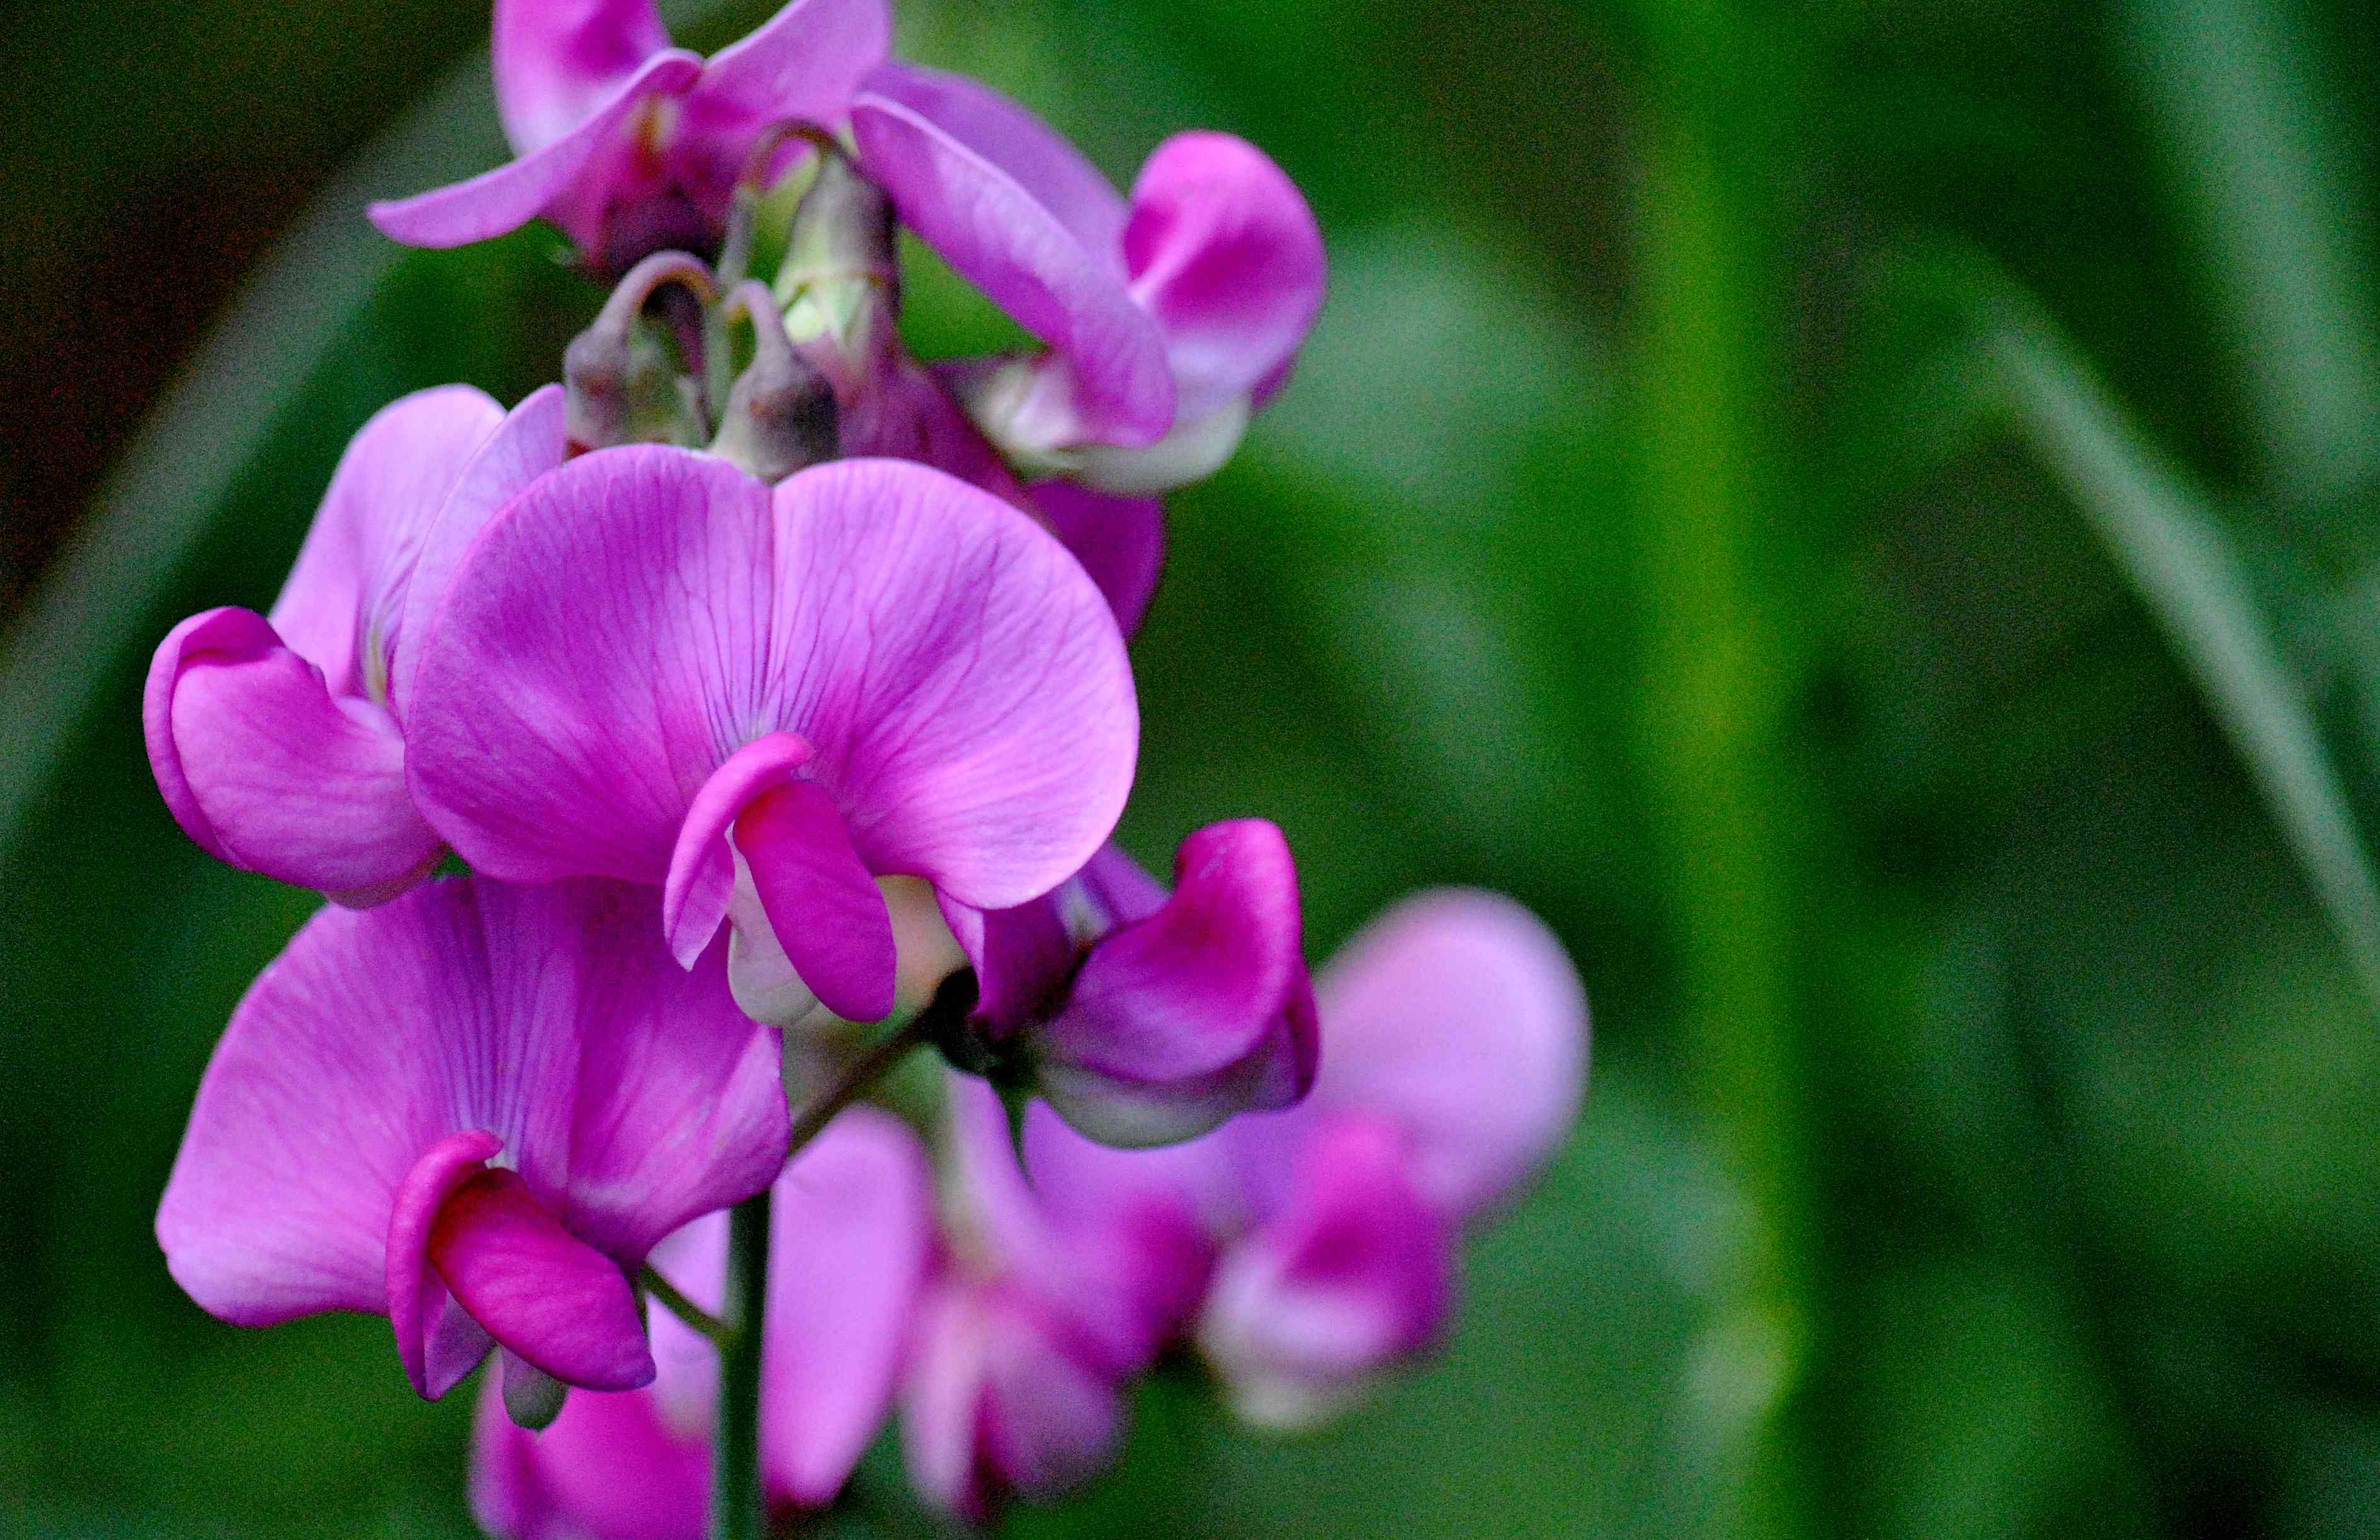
[(998, 1399), (268, 771), (1458, 1015), (1120, 541), (1356, 1272), (680, 1110), (536, 1289), (1195, 1011), (821, 903), (803, 63), (466, 1020), (631, 620), (851, 1236), (701, 880), (558, 62), (1224, 253), (611, 1467), (1017, 210), (433, 1342), (1022, 957), (554, 179)]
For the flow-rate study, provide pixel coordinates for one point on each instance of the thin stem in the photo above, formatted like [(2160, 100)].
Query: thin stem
[(736, 1510), (888, 1051), (675, 1301)]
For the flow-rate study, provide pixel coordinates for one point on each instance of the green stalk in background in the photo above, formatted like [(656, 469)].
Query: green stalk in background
[(1720, 671), (735, 1506)]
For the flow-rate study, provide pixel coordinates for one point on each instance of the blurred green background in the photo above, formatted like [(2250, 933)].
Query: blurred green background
[(1866, 515)]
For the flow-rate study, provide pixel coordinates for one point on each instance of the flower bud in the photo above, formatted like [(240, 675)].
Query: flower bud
[(621, 388), (780, 412)]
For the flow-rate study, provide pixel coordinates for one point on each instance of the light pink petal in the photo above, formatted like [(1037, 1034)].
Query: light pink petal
[(1193, 1013), (942, 1399), (568, 170), (851, 1230), (680, 1110), (558, 62), (1017, 210), (1051, 1419), (1356, 1272), (275, 1209), (536, 1289), (1120, 541), (599, 654), (609, 1468), (435, 1338), (1458, 1015), (804, 64), (632, 619), (266, 770), (524, 446), (701, 880), (823, 906), (352, 570), (1224, 253)]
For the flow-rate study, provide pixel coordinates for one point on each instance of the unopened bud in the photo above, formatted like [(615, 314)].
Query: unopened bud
[(616, 374), (841, 265), (780, 412)]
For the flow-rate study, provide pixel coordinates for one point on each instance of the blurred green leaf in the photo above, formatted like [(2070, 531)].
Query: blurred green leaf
[(2185, 565)]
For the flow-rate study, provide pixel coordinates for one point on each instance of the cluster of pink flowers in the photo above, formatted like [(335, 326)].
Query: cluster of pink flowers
[(768, 692)]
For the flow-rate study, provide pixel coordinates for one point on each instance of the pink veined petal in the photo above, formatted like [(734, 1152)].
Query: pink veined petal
[(536, 1289), (1224, 253), (680, 1108), (804, 63), (1354, 1273), (1457, 1015), (974, 710), (524, 446), (1181, 1018), (510, 196), (441, 1014), (556, 62), (630, 621), (701, 879), (1120, 541), (609, 1468), (820, 901), (597, 654), (433, 1344), (1018, 211), (851, 1236), (265, 769), (351, 573)]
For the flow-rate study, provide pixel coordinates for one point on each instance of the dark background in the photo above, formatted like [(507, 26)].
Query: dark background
[(1862, 514)]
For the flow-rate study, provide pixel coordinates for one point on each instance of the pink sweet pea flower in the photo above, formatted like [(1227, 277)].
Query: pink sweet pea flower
[(632, 146), (850, 1232), (653, 667), (1144, 1018), (1454, 1058), (278, 741), (1169, 317), (1039, 1314), (475, 1109)]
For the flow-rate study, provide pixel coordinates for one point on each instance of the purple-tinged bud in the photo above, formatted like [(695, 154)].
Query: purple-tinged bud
[(620, 386), (780, 412), (1144, 1018)]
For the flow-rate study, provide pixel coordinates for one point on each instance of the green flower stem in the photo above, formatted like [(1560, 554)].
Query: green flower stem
[(1723, 648), (737, 1509), (735, 1506)]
